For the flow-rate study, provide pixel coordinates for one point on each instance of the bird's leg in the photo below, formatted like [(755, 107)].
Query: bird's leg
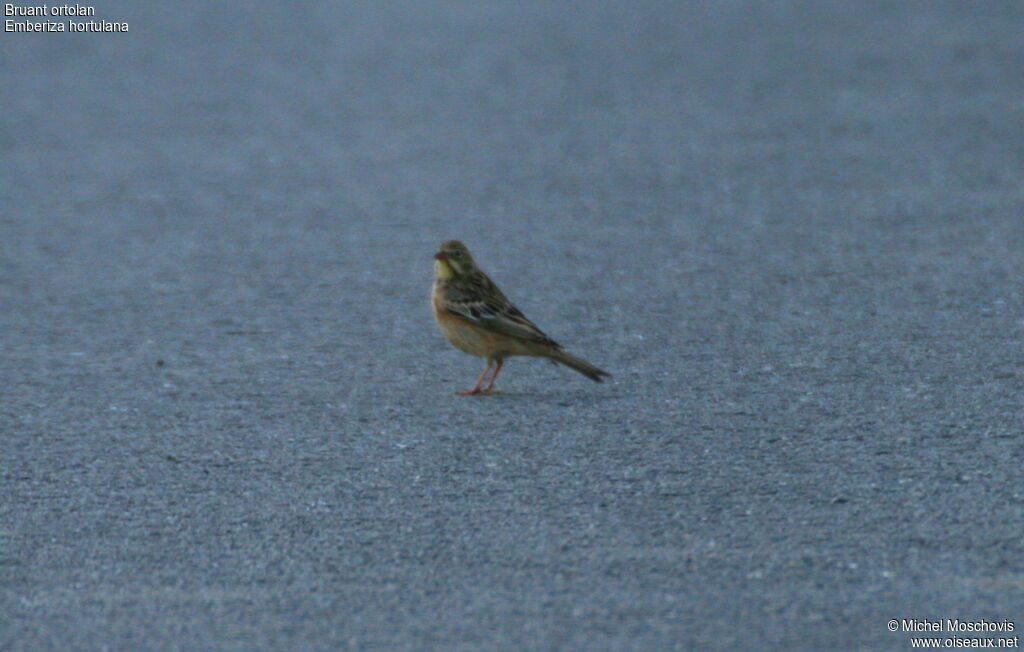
[(479, 382), (497, 370)]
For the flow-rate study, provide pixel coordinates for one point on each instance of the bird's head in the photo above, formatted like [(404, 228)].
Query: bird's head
[(453, 260)]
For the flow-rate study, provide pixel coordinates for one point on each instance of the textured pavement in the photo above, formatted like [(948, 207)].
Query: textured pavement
[(792, 231)]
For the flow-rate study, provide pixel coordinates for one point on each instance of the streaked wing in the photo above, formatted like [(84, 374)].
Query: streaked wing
[(477, 299)]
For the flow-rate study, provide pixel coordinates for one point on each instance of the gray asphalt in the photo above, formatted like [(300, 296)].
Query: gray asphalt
[(792, 231)]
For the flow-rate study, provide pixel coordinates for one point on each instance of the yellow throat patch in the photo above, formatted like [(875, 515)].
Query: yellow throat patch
[(443, 270)]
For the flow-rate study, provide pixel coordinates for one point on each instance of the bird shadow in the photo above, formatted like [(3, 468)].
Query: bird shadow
[(556, 398)]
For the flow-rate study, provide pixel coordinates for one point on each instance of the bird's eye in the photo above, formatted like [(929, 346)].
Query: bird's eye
[(456, 254)]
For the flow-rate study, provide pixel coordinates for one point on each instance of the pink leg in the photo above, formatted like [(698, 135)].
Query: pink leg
[(497, 370), (479, 382)]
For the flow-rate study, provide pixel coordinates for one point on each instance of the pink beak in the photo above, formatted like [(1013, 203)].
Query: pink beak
[(440, 256)]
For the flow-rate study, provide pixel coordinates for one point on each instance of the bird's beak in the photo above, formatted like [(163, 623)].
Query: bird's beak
[(440, 256)]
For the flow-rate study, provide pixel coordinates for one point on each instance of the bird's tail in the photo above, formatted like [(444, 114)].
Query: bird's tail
[(578, 364)]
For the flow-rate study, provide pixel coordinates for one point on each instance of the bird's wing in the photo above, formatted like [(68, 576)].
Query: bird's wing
[(481, 302)]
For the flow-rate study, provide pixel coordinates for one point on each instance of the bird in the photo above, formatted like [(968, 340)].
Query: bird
[(476, 317)]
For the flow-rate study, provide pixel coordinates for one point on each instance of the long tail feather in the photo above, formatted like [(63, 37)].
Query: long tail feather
[(578, 364)]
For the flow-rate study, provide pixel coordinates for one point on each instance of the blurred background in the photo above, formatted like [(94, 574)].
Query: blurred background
[(792, 231)]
